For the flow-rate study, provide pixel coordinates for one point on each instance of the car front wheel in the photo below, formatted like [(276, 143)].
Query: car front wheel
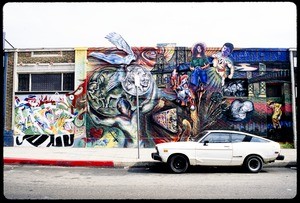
[(253, 164), (178, 163)]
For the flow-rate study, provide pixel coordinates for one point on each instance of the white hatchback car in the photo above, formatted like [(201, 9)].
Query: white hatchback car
[(219, 148)]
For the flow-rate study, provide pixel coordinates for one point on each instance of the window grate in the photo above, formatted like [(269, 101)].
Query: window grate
[(46, 82)]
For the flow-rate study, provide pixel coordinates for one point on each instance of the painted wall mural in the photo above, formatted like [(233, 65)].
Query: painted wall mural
[(112, 92), (180, 96), (277, 113), (43, 120), (180, 92)]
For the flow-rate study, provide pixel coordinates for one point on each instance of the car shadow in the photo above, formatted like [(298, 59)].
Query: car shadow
[(164, 168), (214, 169)]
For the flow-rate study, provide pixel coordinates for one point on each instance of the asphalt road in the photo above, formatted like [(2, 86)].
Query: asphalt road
[(54, 182)]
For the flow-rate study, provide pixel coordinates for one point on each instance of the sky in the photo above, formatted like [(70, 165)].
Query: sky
[(142, 24)]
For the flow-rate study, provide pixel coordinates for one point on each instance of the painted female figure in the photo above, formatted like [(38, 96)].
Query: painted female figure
[(198, 66)]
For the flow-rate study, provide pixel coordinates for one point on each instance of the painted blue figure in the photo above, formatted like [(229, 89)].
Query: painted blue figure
[(198, 66)]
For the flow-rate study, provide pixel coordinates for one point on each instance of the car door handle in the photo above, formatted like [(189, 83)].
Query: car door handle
[(226, 146)]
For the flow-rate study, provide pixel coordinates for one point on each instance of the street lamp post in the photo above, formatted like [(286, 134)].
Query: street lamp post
[(137, 84)]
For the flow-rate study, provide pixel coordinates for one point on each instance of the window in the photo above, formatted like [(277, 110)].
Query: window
[(274, 89), (256, 139), (217, 138), (237, 137), (42, 82), (23, 82), (46, 82)]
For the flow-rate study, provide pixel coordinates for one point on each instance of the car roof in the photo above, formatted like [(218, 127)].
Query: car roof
[(239, 132), (232, 131)]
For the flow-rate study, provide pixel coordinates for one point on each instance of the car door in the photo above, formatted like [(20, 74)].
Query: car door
[(214, 149)]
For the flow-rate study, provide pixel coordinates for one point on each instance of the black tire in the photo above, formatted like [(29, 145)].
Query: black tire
[(253, 164), (178, 163)]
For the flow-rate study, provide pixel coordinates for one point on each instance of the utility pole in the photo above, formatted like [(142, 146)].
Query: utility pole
[(137, 84)]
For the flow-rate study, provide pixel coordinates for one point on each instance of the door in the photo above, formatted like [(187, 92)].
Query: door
[(214, 150)]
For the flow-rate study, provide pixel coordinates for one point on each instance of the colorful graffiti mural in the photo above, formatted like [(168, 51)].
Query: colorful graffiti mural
[(40, 120)]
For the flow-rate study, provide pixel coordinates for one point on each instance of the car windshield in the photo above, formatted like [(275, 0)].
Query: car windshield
[(199, 136)]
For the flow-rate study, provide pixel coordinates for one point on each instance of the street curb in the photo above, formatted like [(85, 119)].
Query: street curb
[(58, 162), (106, 163)]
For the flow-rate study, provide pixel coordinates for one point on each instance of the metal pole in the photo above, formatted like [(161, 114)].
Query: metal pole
[(137, 83), (293, 97)]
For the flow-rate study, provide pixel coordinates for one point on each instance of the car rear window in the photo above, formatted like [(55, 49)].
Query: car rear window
[(254, 139), (257, 139)]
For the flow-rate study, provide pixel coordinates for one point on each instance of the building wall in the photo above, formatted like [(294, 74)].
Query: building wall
[(9, 92), (102, 109), (8, 102), (166, 115), (30, 61)]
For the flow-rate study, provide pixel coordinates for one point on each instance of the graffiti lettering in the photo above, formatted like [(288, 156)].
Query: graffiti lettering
[(45, 140)]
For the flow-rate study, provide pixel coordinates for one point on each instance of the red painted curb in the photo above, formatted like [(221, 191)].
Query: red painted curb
[(58, 162)]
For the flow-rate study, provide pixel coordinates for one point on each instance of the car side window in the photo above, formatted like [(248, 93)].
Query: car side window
[(237, 138), (217, 138)]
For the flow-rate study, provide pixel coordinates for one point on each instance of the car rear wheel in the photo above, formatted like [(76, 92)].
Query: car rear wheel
[(178, 163), (253, 164)]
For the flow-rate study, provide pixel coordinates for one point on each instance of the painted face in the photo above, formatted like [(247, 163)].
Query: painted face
[(199, 49), (247, 107), (225, 50), (234, 88)]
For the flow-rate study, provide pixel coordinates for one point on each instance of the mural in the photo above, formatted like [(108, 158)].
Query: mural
[(43, 121), (277, 113), (121, 44), (222, 61), (112, 92), (180, 92), (189, 103)]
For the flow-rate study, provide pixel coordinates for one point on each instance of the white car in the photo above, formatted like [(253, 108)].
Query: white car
[(219, 148)]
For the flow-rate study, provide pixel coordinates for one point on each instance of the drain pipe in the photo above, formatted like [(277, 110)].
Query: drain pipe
[(15, 81)]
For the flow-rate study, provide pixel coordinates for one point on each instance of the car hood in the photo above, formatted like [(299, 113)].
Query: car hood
[(178, 145)]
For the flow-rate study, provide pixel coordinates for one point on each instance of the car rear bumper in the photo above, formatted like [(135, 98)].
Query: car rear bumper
[(155, 156)]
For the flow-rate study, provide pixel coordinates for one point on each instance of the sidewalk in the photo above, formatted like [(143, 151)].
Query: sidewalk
[(102, 157)]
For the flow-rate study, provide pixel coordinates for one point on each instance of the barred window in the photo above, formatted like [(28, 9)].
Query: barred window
[(23, 82), (46, 82)]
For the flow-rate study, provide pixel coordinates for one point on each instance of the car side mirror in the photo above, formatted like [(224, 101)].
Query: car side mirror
[(205, 142)]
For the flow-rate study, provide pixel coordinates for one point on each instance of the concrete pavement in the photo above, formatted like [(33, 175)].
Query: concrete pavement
[(102, 157)]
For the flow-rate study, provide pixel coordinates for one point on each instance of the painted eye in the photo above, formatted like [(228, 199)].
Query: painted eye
[(71, 97)]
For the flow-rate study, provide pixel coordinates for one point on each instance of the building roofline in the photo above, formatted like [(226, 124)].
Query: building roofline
[(37, 49), (76, 48)]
